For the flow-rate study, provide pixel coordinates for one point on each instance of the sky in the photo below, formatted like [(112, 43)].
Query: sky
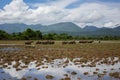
[(100, 13)]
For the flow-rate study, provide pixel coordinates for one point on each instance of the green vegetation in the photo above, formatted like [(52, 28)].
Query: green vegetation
[(4, 35), (30, 34)]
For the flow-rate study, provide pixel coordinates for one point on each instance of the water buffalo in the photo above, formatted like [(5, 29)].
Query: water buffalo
[(64, 42), (38, 42), (45, 42), (68, 42), (86, 41), (28, 42), (71, 42)]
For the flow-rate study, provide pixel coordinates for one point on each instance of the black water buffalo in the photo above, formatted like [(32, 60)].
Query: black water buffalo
[(64, 42), (38, 42), (86, 41), (68, 42), (28, 42), (71, 42), (45, 42)]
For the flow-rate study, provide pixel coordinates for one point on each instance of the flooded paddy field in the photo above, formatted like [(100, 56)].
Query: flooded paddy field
[(80, 61)]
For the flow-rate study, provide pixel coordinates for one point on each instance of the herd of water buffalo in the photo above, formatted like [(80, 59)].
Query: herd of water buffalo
[(53, 42)]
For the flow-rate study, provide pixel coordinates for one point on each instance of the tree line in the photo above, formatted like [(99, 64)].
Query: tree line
[(30, 34)]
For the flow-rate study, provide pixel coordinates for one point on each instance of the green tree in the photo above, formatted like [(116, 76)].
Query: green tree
[(4, 35), (38, 35), (29, 34), (65, 36)]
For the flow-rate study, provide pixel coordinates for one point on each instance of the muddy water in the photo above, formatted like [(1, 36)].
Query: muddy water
[(10, 49), (58, 70)]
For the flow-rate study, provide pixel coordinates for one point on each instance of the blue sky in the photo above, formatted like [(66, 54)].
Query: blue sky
[(4, 2), (102, 13)]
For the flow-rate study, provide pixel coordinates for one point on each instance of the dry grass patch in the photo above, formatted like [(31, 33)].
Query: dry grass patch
[(5, 66), (85, 73), (67, 78), (24, 66), (73, 73), (35, 79), (95, 73), (18, 69), (23, 79), (49, 77), (97, 69), (115, 75)]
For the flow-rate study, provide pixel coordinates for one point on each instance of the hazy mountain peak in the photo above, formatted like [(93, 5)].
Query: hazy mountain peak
[(64, 26), (64, 23), (90, 28)]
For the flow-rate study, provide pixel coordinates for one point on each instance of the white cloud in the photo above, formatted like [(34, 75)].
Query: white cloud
[(62, 3), (97, 14), (57, 3), (16, 5), (13, 12), (94, 13), (109, 24)]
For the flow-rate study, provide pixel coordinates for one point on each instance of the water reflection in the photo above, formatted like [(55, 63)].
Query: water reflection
[(7, 49), (5, 76)]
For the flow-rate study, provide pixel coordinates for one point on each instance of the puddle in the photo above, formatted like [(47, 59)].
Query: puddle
[(57, 71), (7, 49)]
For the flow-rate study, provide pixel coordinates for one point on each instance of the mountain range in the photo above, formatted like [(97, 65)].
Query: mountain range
[(64, 27)]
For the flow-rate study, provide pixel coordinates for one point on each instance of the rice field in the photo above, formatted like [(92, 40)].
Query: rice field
[(80, 61)]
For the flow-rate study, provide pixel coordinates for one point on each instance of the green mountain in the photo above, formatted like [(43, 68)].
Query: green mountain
[(64, 27), (90, 28)]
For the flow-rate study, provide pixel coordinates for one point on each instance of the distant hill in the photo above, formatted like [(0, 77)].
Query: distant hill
[(117, 28), (59, 27), (10, 28), (64, 27), (90, 28)]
